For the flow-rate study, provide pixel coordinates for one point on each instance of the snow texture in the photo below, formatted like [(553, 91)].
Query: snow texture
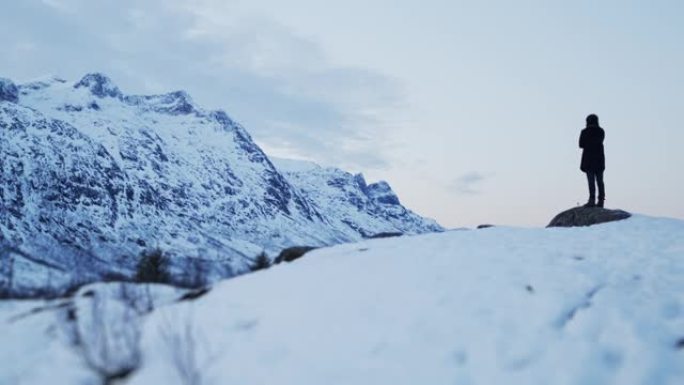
[(90, 177), (592, 305)]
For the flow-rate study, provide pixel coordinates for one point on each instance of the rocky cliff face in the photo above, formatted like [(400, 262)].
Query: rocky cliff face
[(90, 177)]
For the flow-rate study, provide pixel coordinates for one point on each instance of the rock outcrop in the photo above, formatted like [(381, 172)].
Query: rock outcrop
[(587, 216)]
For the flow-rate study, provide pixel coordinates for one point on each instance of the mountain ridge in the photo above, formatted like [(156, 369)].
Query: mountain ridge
[(91, 177)]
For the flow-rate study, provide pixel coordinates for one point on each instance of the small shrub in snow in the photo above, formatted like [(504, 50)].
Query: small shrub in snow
[(153, 267), (261, 262)]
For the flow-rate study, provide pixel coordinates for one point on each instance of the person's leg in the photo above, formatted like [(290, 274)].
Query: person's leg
[(601, 188), (592, 189)]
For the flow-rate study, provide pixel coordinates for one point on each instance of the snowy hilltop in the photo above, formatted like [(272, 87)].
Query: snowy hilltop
[(590, 305), (90, 177)]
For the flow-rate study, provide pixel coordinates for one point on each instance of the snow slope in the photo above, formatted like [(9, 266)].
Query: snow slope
[(596, 305), (90, 177)]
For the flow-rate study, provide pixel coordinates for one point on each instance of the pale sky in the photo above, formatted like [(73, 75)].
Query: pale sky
[(471, 110)]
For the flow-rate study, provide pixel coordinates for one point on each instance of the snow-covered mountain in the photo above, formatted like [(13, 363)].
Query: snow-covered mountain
[(90, 176), (568, 306), (351, 203)]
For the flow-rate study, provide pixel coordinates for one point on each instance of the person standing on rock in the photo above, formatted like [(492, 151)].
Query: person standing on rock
[(593, 159)]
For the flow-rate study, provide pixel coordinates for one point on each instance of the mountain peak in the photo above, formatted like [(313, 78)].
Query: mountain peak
[(382, 192), (99, 85), (178, 102), (8, 91)]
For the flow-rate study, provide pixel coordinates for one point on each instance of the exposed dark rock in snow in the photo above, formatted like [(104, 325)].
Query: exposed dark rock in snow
[(385, 235), (194, 294), (99, 85), (8, 91), (292, 253), (382, 192), (680, 343), (587, 216)]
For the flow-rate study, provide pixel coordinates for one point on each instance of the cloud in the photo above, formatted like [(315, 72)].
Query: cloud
[(468, 183), (280, 85)]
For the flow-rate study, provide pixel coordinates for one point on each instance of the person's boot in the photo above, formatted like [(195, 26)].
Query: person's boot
[(600, 203), (590, 203)]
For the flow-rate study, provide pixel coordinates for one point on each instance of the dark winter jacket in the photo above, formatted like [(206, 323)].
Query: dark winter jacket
[(591, 141)]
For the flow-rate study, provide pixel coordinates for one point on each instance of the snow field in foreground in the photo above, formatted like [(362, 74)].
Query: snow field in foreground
[(596, 305)]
